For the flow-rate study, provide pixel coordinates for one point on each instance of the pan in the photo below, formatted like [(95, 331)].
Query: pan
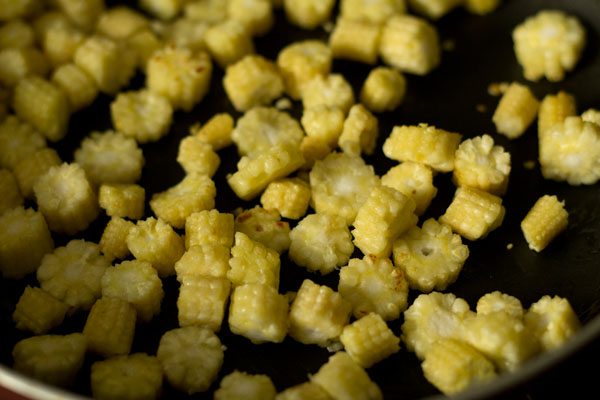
[(478, 52)]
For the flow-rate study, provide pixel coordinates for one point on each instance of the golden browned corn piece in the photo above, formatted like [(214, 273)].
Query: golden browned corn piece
[(317, 314), (61, 42), (122, 200), (84, 14), (113, 242), (374, 11), (332, 90), (473, 213), (304, 391), (195, 155), (11, 196), (155, 241), (203, 260), (424, 144), (498, 301), (256, 15), (133, 377), (410, 44), (301, 61), (360, 132), (216, 131), (121, 22), (516, 111), (546, 219), (453, 365), (355, 40), (17, 63), (342, 378), (80, 88), (414, 180), (258, 313), (18, 140), (324, 123), (241, 386), (52, 359), (137, 283), (433, 9), (369, 340), (553, 321), (289, 197), (481, 7), (38, 311), (110, 326), (383, 90), (253, 262), (308, 14), (202, 301), (24, 240), (228, 42), (16, 33), (264, 226), (162, 9), (209, 227)]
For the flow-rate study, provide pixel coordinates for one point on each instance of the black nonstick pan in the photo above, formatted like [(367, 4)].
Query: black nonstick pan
[(478, 52)]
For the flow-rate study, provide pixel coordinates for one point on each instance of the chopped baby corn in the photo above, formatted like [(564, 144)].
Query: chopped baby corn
[(143, 44), (548, 44), (202, 300), (17, 63), (216, 131), (261, 128), (452, 366), (16, 33), (301, 61), (121, 22), (481, 7), (210, 11), (133, 377), (360, 132), (414, 180), (431, 256), (137, 283), (304, 391), (180, 75), (24, 241), (423, 143), (553, 321), (38, 311), (197, 156), (113, 242), (332, 90), (73, 273), (155, 241), (258, 313), (374, 11), (18, 140), (162, 9), (66, 198), (382, 218), (61, 42), (209, 227), (110, 326), (264, 226), (369, 340), (323, 122), (187, 33), (410, 44), (569, 152), (591, 115), (498, 301), (228, 42), (432, 317), (355, 40), (195, 192), (343, 378), (313, 149), (373, 285), (308, 14), (252, 81), (317, 314), (203, 260), (242, 386), (53, 359), (289, 197), (84, 14), (383, 90), (433, 9), (321, 242), (473, 213), (143, 115), (253, 262), (544, 221), (12, 9), (481, 164), (516, 111), (11, 196), (191, 358), (256, 15), (122, 200), (80, 88), (110, 157), (48, 20)]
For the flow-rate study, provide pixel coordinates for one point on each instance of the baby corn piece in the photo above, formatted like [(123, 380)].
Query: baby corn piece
[(516, 111), (342, 378), (432, 317), (73, 273), (18, 140), (18, 63), (410, 44), (48, 20), (24, 241), (121, 22), (143, 44), (360, 132), (453, 366), (332, 90), (313, 149), (38, 311), (553, 321), (113, 242), (210, 11), (473, 213), (256, 15), (383, 90), (84, 14), (202, 301), (554, 109), (258, 313), (433, 9), (203, 260), (209, 227), (304, 391), (255, 174), (134, 377), (424, 144), (544, 221), (52, 359), (374, 11), (122, 200), (308, 14), (369, 340), (216, 131), (80, 88), (253, 262), (431, 257), (264, 226), (242, 386), (11, 196), (162, 9), (321, 242), (16, 33), (18, 8), (61, 42), (323, 122), (591, 115), (414, 180), (481, 7), (373, 285), (498, 301), (197, 156), (382, 218), (317, 314), (228, 42), (355, 40), (191, 358), (301, 61), (289, 197), (110, 326), (137, 283), (187, 33)]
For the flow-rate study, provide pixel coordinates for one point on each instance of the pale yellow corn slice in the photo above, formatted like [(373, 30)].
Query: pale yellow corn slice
[(53, 359), (210, 11), (133, 377), (18, 63), (143, 44), (203, 260), (48, 20), (61, 42), (253, 262), (264, 226), (122, 200), (591, 115), (433, 9), (323, 122), (332, 90), (414, 180), (473, 213), (452, 366), (516, 111), (304, 391), (24, 240), (84, 14), (342, 378), (113, 242), (137, 283), (544, 221), (355, 40), (481, 7), (242, 386), (498, 301), (162, 9), (313, 149), (289, 197), (256, 15), (110, 327), (16, 33), (38, 311), (11, 196), (374, 11), (66, 198), (308, 14), (18, 140), (360, 132), (80, 88), (301, 61), (209, 227), (155, 241), (553, 321), (258, 313), (383, 90), (195, 155), (216, 131), (187, 33), (121, 22), (317, 314), (202, 300), (228, 42), (410, 44), (191, 358)]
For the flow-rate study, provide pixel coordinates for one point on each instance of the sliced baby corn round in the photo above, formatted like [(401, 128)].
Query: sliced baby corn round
[(80, 88), (544, 221), (553, 321), (256, 15), (498, 301), (11, 196), (554, 109), (216, 131), (38, 311), (18, 140), (332, 90), (110, 327), (355, 40), (201, 301), (383, 90), (591, 115), (253, 262), (242, 386), (203, 260), (289, 197), (374, 11), (301, 61), (197, 156), (323, 122), (122, 200), (308, 14), (113, 242), (414, 180), (360, 132), (228, 41), (264, 226), (209, 227), (516, 111)]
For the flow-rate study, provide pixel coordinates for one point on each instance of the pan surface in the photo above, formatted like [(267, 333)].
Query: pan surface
[(448, 98)]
